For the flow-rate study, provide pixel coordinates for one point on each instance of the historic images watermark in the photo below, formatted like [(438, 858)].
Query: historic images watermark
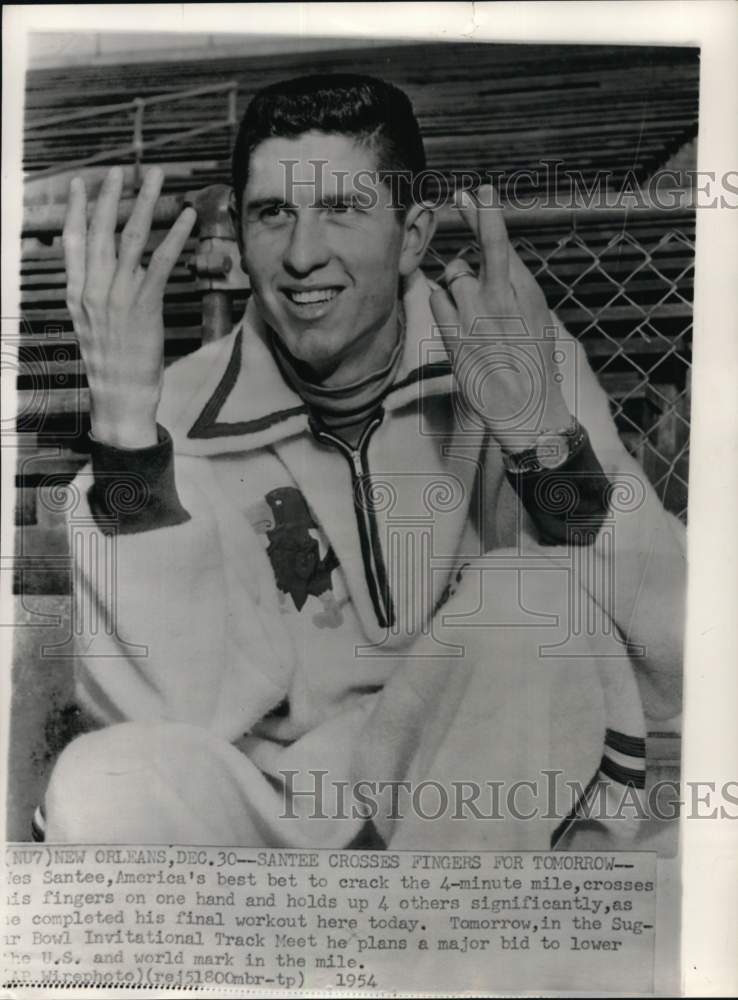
[(547, 185), (547, 797)]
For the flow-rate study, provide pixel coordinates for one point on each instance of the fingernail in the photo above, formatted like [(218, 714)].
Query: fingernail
[(115, 174)]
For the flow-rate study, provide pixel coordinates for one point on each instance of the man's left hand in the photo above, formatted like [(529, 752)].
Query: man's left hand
[(498, 330)]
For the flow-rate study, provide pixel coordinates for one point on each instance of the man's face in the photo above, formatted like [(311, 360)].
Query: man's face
[(322, 246)]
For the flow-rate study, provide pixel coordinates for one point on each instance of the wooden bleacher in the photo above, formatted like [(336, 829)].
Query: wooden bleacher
[(507, 106)]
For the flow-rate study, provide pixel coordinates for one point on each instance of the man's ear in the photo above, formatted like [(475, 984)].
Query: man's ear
[(419, 225), (235, 218)]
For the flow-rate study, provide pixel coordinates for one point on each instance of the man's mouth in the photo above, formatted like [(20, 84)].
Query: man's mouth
[(310, 305), (302, 297)]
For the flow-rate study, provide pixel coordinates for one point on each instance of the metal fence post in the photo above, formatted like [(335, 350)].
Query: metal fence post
[(216, 264)]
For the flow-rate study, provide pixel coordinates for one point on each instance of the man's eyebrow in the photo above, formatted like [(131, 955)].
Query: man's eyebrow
[(265, 202), (342, 198), (332, 200)]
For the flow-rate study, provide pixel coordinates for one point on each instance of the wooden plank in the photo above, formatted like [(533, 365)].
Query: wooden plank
[(42, 576), (38, 543), (42, 341), (174, 306), (47, 467), (52, 275), (25, 507), (176, 291), (63, 402)]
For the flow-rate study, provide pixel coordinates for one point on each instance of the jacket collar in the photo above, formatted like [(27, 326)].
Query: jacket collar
[(241, 401)]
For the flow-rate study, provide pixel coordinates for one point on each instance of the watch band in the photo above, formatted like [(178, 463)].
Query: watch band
[(572, 436), (567, 503)]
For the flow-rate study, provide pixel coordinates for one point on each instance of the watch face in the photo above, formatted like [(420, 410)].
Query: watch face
[(552, 450)]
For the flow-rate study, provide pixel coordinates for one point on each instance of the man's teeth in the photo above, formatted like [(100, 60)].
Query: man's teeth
[(315, 295)]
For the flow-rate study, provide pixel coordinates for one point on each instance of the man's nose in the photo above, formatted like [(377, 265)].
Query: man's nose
[(307, 247)]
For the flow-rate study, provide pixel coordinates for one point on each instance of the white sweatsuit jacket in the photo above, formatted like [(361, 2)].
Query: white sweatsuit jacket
[(293, 579)]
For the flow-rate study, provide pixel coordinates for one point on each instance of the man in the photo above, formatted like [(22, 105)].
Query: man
[(349, 537)]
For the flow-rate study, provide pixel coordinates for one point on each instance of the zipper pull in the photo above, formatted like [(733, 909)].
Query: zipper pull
[(356, 462)]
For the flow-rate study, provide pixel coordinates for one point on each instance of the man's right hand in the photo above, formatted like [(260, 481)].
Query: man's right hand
[(117, 306)]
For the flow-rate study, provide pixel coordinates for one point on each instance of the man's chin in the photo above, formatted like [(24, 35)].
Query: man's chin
[(318, 349)]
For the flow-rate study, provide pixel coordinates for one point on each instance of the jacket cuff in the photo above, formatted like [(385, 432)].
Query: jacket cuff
[(569, 504), (133, 489)]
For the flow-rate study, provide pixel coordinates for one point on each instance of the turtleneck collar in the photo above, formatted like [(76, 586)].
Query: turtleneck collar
[(346, 405)]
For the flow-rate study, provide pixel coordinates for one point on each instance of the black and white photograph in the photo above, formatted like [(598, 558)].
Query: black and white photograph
[(350, 501)]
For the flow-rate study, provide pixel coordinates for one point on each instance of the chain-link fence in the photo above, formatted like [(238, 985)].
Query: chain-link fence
[(644, 282)]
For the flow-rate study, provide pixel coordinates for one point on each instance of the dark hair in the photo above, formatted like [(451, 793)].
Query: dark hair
[(367, 109)]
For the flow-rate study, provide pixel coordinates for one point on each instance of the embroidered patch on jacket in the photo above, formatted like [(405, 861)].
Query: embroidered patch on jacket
[(294, 553)]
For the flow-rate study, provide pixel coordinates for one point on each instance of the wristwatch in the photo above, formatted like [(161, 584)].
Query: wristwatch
[(552, 449)]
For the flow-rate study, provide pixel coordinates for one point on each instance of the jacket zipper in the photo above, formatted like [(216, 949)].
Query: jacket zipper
[(371, 550)]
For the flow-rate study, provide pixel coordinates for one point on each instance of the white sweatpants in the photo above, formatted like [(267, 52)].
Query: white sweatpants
[(527, 702)]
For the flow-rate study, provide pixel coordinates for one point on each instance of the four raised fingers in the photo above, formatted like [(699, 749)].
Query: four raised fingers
[(89, 254)]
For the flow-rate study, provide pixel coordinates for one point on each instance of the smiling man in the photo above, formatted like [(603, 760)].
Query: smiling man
[(376, 580), (324, 258)]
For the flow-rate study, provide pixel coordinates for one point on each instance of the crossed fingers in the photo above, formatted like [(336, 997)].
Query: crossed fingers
[(504, 288)]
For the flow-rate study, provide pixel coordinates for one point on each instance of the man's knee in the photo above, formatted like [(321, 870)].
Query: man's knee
[(129, 767), (117, 749), (508, 588), (551, 601), (503, 612)]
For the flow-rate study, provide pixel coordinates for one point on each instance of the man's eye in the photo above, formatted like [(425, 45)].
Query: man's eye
[(273, 213)]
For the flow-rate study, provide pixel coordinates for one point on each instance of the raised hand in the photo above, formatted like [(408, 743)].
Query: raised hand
[(497, 328), (117, 306)]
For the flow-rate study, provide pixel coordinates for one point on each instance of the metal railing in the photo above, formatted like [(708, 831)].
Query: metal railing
[(138, 145)]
